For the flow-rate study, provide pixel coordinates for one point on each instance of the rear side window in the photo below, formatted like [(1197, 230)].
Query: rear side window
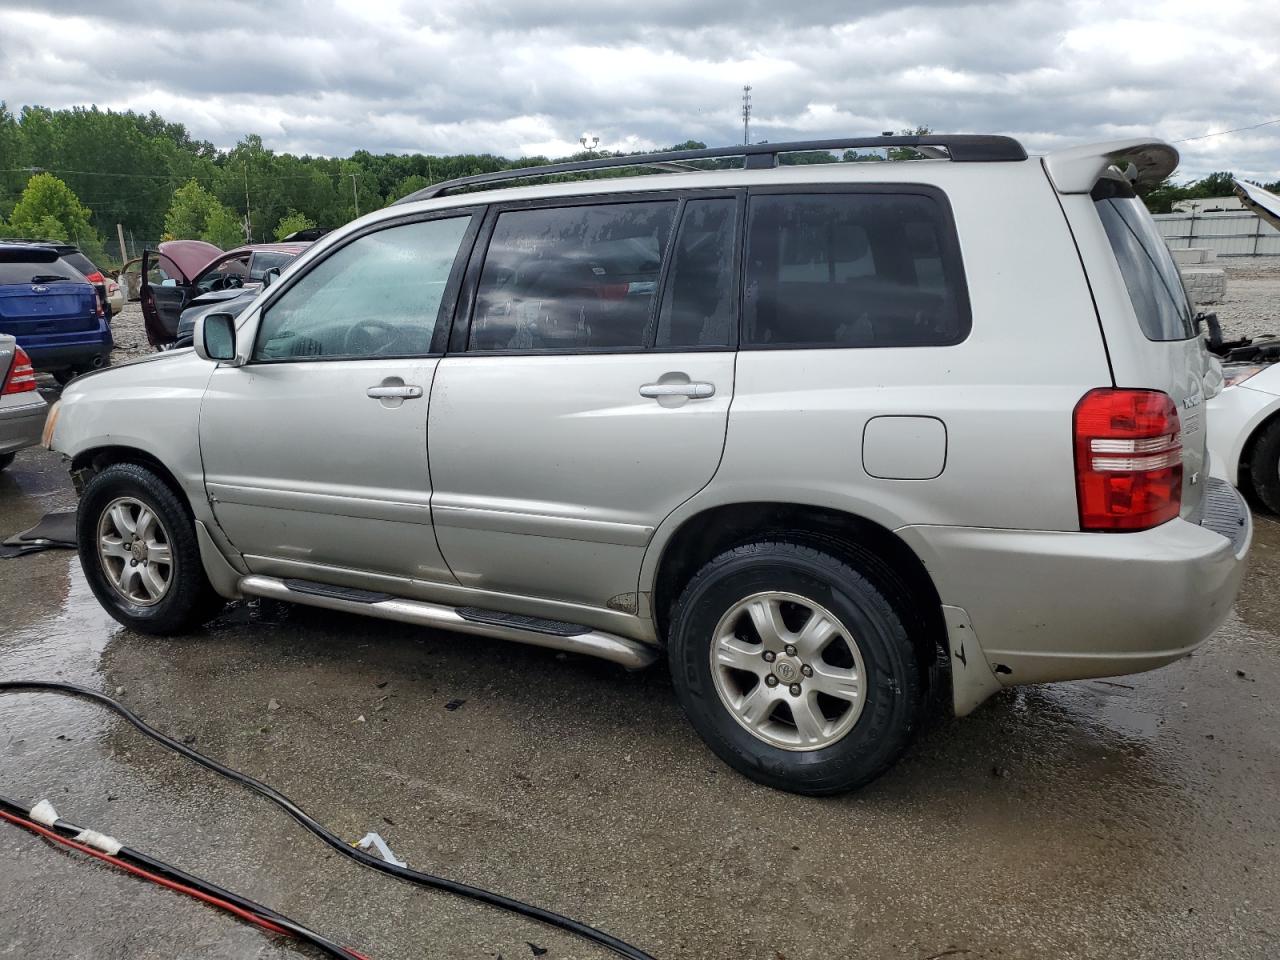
[(853, 270), (572, 278), (80, 262), (1152, 278), (697, 306)]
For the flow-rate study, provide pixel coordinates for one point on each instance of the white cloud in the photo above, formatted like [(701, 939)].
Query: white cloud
[(530, 77)]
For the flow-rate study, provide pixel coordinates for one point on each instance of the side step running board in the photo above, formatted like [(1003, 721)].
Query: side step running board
[(536, 631)]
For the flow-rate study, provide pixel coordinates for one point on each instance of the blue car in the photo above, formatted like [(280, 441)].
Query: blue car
[(52, 310)]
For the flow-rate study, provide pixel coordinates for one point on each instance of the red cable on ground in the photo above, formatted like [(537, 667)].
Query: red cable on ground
[(146, 874), (218, 902)]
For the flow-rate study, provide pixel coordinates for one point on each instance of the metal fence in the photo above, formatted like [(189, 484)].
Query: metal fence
[(1233, 233)]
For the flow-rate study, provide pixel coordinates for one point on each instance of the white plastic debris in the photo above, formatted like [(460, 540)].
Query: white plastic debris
[(371, 841), (99, 841), (44, 813)]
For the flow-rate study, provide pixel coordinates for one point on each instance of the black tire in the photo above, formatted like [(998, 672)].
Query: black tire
[(1264, 466), (65, 376), (893, 686), (189, 599), (6, 459)]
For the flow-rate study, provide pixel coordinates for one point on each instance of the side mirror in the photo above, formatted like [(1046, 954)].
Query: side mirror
[(215, 337), (270, 277)]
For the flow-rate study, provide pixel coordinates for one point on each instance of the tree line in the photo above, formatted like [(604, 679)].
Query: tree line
[(74, 174)]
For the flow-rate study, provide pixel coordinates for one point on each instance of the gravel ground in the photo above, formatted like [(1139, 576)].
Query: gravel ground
[(1252, 306), (130, 337)]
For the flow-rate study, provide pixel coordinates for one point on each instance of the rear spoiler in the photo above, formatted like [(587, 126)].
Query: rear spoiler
[(1077, 169), (1262, 202)]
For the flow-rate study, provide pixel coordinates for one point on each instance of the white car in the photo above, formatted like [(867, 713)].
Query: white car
[(1244, 431)]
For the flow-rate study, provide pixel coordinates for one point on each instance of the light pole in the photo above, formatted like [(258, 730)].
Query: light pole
[(354, 195), (595, 142)]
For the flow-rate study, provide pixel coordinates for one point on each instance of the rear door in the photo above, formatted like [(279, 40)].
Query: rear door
[(1147, 317), (578, 407)]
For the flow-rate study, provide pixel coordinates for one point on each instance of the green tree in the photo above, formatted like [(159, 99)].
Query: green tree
[(292, 222), (196, 214), (223, 228), (48, 209)]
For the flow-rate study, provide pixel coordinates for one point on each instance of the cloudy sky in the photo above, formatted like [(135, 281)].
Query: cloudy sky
[(531, 76)]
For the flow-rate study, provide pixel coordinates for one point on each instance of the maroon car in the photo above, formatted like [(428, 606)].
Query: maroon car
[(182, 274)]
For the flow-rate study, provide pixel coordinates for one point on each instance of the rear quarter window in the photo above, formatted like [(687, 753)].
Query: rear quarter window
[(1150, 275), (866, 269)]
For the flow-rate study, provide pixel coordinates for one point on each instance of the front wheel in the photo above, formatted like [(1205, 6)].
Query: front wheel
[(795, 668), (139, 553)]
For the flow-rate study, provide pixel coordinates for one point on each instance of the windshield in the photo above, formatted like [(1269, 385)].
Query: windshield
[(264, 260), (1152, 278)]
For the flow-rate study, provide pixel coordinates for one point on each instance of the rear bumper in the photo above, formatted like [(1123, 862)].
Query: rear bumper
[(1048, 605), (86, 355), (20, 424)]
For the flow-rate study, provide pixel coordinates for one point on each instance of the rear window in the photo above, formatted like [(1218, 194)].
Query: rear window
[(38, 272), (1152, 278), (853, 270)]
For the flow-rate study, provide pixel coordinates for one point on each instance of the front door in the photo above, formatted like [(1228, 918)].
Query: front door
[(590, 395), (315, 450)]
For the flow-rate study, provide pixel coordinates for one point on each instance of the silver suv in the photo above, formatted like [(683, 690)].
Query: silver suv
[(831, 437)]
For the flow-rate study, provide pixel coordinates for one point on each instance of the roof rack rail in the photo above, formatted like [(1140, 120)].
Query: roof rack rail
[(961, 148)]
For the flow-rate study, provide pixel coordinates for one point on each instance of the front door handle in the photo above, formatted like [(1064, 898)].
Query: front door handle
[(697, 390), (405, 392)]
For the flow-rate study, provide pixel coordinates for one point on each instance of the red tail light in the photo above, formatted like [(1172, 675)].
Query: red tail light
[(1128, 459), (22, 376), (97, 299), (95, 277)]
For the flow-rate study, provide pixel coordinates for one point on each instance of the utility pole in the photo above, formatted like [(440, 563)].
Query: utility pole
[(248, 215), (124, 254), (746, 115), (354, 195)]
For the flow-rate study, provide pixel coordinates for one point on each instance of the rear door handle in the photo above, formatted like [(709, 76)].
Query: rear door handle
[(698, 390), (407, 392)]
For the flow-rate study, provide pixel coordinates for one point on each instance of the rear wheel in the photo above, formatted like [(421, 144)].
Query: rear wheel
[(6, 459), (795, 668), (139, 553), (65, 376), (1264, 466)]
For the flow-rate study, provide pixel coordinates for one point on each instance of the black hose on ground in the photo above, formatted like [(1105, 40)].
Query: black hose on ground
[(552, 919)]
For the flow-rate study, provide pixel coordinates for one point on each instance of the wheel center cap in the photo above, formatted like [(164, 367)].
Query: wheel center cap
[(787, 669), (139, 550)]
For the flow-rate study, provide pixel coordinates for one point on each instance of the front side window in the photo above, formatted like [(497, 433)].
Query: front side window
[(852, 270), (571, 278), (378, 296), (1150, 275)]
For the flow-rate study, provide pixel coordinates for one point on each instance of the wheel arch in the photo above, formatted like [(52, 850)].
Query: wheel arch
[(1242, 464), (95, 459), (857, 539)]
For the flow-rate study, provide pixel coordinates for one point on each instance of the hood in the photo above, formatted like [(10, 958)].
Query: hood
[(1262, 202), (189, 256), (158, 357), (218, 296)]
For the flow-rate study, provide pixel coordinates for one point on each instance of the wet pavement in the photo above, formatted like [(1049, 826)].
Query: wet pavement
[(1134, 818)]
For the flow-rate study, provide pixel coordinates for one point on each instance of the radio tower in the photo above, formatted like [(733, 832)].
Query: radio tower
[(746, 115)]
